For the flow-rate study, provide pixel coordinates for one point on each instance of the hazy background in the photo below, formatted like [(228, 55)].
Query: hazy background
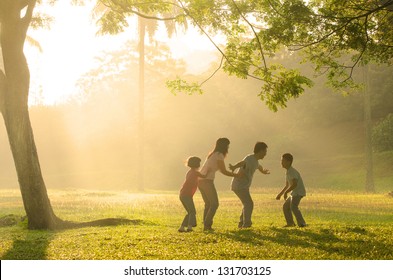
[(89, 139)]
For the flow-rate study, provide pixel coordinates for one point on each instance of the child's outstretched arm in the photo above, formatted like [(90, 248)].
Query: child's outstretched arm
[(262, 170), (199, 174), (237, 165), (223, 170)]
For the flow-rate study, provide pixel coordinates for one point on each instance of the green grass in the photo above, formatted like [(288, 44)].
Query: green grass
[(347, 173), (342, 226)]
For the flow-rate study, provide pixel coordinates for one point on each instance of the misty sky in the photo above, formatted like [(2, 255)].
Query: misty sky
[(70, 49)]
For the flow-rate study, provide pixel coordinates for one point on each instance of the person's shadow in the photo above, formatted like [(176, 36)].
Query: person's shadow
[(324, 239), (33, 246)]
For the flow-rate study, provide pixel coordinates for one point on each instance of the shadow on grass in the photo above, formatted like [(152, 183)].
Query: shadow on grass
[(33, 244), (369, 216), (32, 247), (334, 242), (104, 223)]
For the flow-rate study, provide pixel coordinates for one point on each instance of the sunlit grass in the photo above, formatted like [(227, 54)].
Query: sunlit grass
[(342, 226)]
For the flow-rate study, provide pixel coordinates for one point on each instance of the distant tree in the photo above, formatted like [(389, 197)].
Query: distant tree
[(113, 19), (383, 134), (367, 121), (381, 86), (118, 69)]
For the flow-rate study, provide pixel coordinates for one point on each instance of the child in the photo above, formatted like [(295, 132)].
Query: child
[(187, 192), (294, 184), (241, 185)]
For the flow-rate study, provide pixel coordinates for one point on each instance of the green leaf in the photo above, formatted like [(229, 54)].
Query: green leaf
[(181, 86)]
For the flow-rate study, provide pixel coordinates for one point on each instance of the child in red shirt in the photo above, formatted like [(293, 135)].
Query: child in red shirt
[(187, 192)]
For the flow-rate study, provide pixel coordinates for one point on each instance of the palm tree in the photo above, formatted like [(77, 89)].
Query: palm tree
[(150, 26), (113, 20)]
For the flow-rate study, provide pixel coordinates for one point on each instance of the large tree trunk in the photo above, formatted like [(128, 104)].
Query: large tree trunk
[(14, 92), (14, 89)]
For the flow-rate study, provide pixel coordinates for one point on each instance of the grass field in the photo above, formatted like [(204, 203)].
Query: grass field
[(341, 226)]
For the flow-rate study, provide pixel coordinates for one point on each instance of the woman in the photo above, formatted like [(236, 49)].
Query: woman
[(214, 162)]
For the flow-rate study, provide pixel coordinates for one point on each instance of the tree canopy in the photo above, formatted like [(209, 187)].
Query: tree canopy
[(335, 36)]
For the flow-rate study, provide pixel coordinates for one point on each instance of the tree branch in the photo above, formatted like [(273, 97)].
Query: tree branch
[(126, 8), (275, 10), (154, 17), (29, 14), (214, 43), (255, 34), (362, 52), (214, 73), (350, 19)]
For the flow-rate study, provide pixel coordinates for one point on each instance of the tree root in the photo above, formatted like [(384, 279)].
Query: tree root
[(97, 223), (12, 220)]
